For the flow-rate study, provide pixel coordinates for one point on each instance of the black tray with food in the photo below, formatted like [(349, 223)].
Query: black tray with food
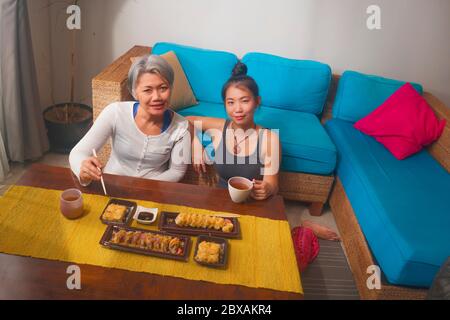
[(118, 212), (147, 242), (211, 251), (196, 224)]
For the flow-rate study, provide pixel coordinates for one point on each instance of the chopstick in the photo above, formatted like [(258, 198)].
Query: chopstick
[(228, 215), (101, 177)]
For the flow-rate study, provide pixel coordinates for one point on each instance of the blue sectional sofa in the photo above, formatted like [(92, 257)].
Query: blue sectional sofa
[(390, 213), (293, 93), (402, 206)]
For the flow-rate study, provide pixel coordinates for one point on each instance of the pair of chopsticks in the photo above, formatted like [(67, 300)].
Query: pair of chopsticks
[(101, 177)]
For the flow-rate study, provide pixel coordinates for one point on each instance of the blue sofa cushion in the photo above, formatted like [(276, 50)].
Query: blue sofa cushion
[(402, 206), (359, 94), (306, 146), (206, 70), (302, 137), (299, 85), (205, 109)]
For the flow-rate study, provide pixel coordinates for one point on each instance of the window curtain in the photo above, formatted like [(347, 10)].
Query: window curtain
[(23, 134), (4, 165)]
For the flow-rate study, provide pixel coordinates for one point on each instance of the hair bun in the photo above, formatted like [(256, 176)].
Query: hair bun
[(240, 69)]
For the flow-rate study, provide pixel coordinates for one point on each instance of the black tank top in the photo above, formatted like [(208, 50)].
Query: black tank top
[(230, 165)]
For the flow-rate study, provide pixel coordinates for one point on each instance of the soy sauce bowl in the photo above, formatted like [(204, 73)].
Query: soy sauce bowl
[(145, 215)]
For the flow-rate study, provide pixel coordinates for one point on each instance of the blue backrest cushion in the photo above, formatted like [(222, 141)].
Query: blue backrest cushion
[(299, 85), (206, 70), (359, 94)]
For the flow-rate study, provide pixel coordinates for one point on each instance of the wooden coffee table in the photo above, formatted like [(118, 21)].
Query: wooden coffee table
[(31, 278)]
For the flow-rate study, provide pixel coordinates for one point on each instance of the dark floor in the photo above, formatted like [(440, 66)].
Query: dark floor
[(329, 276)]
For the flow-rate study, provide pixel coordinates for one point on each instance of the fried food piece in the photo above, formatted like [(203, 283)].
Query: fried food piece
[(118, 237), (218, 223), (165, 243), (228, 226), (204, 222), (114, 212), (196, 220), (174, 245), (135, 238), (128, 237), (208, 252), (149, 239), (180, 220), (141, 242)]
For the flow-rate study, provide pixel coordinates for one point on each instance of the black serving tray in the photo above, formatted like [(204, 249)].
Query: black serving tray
[(224, 252), (104, 241), (167, 223), (131, 209)]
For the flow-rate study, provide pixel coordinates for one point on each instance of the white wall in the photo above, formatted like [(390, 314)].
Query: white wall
[(412, 45)]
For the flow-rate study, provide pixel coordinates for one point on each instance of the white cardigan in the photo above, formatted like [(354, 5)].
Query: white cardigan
[(160, 157)]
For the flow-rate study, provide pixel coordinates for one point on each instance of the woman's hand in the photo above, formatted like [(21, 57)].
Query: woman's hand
[(90, 170), (198, 161), (261, 190)]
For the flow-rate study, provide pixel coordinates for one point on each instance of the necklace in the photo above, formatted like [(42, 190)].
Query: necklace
[(236, 148)]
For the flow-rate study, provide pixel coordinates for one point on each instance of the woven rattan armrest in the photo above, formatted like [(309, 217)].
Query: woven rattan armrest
[(440, 149), (110, 85)]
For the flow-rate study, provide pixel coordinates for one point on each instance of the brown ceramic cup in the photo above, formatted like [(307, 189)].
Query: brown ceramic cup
[(71, 203)]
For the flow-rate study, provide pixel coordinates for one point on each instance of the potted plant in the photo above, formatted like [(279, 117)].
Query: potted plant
[(67, 122)]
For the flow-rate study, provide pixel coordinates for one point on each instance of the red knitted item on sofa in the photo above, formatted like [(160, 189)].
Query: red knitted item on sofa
[(306, 246)]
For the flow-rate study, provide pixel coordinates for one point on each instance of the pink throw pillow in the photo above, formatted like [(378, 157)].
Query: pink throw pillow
[(404, 123)]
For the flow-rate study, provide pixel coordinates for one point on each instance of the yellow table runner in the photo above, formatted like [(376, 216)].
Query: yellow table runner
[(32, 225)]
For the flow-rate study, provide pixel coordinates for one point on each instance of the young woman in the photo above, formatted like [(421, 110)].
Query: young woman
[(147, 137), (242, 148)]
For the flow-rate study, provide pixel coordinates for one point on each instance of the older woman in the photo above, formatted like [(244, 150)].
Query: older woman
[(148, 139)]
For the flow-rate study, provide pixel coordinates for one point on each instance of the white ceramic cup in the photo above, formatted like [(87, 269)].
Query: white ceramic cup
[(239, 188)]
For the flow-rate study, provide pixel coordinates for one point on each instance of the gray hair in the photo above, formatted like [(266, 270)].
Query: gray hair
[(150, 63)]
